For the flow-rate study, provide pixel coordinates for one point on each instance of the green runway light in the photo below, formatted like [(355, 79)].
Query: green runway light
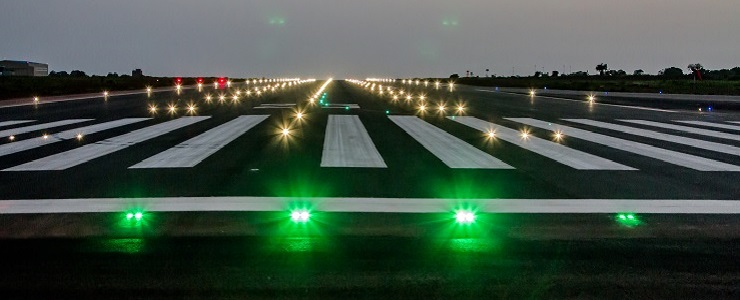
[(134, 216), (346, 108), (387, 112), (300, 216), (628, 219), (464, 217)]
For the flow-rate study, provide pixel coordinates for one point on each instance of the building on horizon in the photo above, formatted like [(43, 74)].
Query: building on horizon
[(137, 73), (23, 68)]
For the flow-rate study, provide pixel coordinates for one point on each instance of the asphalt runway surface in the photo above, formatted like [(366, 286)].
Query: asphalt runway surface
[(365, 250)]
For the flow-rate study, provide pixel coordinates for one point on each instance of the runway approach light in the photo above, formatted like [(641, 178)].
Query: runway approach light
[(558, 135), (79, 136), (300, 216), (191, 108), (464, 217), (461, 108), (491, 134), (299, 116), (531, 92), (105, 94), (36, 99), (152, 108), (285, 131), (11, 138), (591, 98)]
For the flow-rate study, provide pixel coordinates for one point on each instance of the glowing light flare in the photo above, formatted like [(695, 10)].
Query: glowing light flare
[(153, 108), (285, 131), (79, 136), (11, 138), (300, 216), (191, 108), (172, 108), (464, 217), (558, 135), (491, 134)]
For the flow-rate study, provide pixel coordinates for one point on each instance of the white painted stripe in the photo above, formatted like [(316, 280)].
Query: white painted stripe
[(558, 152), (27, 129), (696, 143), (68, 159), (193, 151), (454, 152), (672, 157), (370, 205), (734, 122), (694, 130), (28, 144), (582, 101), (709, 124), (8, 123), (347, 144)]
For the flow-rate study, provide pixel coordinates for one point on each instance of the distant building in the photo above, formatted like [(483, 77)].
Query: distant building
[(137, 73), (23, 68)]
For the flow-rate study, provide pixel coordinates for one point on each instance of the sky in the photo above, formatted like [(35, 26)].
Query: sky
[(378, 38)]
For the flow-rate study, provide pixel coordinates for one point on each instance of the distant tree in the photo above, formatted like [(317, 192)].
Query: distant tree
[(537, 74), (638, 72), (53, 73), (621, 73), (602, 67), (77, 73), (672, 72), (454, 76), (555, 73)]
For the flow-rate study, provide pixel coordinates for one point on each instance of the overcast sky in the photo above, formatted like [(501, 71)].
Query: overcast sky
[(357, 39)]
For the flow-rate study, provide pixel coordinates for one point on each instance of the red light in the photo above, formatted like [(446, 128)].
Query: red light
[(222, 80), (178, 80), (200, 80)]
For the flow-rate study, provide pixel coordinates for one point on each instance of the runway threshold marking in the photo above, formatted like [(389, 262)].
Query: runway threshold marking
[(710, 124), (454, 152), (672, 157), (9, 123), (193, 151), (693, 130), (78, 156), (370, 205), (347, 144), (583, 101), (27, 129), (28, 144), (558, 152), (696, 143)]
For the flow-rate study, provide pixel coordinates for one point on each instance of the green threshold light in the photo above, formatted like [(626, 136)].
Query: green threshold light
[(628, 219), (300, 216), (464, 217), (138, 215)]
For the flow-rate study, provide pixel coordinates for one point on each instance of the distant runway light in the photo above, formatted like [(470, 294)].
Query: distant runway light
[(79, 136), (11, 138), (153, 108), (491, 134), (285, 131)]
